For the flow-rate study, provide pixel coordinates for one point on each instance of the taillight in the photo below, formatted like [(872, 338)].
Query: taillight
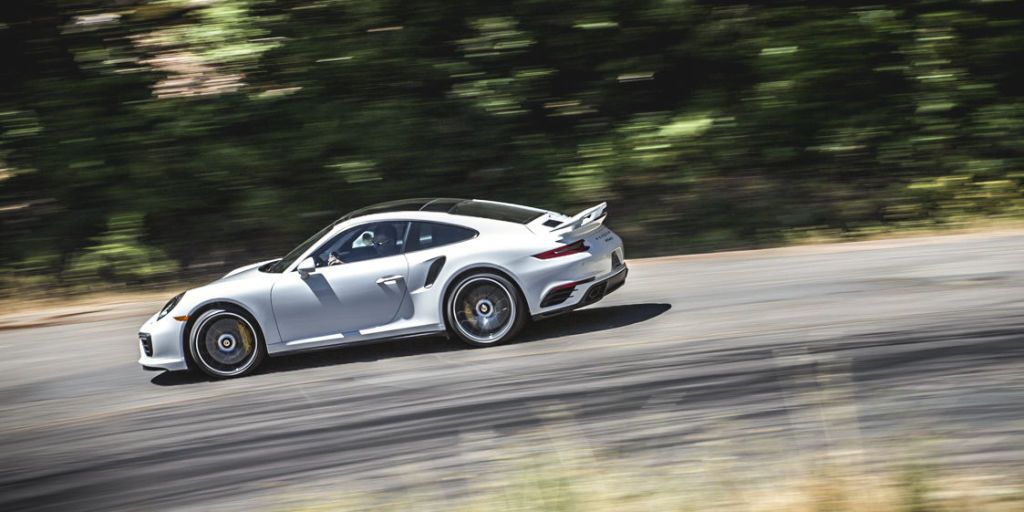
[(565, 250)]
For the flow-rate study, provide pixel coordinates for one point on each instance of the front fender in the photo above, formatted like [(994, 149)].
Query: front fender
[(251, 294)]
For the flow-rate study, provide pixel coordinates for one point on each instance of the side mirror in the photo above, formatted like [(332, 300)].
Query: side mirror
[(306, 267)]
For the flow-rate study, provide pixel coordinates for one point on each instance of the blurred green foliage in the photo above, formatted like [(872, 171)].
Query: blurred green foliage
[(141, 135), (118, 256)]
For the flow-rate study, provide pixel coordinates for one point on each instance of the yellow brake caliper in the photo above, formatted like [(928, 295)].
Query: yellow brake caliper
[(247, 337), (467, 309)]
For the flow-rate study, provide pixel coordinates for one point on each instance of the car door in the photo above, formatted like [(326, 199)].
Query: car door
[(352, 289)]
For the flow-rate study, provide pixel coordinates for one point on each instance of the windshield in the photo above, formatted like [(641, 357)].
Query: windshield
[(278, 266)]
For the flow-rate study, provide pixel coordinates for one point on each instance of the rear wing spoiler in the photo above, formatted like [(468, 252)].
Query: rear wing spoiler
[(584, 221)]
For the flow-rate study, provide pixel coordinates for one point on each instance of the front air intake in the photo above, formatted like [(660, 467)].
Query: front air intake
[(147, 343)]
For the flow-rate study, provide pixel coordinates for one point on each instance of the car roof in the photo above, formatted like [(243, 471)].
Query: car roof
[(492, 210)]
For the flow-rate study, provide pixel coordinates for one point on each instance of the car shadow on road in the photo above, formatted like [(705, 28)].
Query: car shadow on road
[(584, 321)]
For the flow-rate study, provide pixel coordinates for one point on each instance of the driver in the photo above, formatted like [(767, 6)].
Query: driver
[(381, 242), (364, 240), (384, 240)]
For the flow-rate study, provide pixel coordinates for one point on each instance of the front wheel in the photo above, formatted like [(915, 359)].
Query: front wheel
[(485, 309), (225, 343)]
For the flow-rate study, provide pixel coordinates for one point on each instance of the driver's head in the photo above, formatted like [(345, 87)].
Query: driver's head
[(384, 239)]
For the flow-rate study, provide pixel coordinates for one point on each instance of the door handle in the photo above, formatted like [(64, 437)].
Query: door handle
[(389, 279)]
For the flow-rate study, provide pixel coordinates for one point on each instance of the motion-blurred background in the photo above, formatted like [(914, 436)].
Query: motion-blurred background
[(147, 144), (142, 139)]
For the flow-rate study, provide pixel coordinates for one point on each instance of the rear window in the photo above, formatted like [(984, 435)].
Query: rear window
[(496, 211)]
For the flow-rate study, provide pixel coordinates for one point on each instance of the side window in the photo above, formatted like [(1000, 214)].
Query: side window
[(366, 242), (425, 235)]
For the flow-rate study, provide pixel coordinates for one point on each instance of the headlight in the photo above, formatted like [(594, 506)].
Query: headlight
[(170, 305)]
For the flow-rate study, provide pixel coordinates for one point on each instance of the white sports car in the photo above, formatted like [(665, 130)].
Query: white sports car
[(477, 269)]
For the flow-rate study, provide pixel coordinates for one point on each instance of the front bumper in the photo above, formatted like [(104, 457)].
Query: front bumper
[(595, 292), (165, 350)]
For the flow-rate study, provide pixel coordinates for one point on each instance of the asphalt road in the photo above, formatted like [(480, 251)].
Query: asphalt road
[(906, 348)]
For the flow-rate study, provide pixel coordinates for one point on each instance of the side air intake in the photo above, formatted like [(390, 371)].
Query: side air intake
[(434, 271)]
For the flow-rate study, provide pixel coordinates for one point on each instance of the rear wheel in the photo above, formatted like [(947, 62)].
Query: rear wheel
[(226, 343), (485, 309)]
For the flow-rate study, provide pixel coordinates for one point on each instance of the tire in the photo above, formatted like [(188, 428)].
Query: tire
[(485, 309), (226, 343)]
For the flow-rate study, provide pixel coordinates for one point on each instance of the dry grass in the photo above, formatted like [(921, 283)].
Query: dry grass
[(574, 482), (554, 469)]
